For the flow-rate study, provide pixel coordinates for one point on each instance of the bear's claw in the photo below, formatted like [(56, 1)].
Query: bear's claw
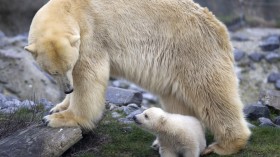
[(45, 121)]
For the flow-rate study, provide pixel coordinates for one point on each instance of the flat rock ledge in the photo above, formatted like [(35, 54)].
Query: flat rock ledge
[(39, 141)]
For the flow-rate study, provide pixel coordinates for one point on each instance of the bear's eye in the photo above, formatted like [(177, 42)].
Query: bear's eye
[(146, 116), (55, 73)]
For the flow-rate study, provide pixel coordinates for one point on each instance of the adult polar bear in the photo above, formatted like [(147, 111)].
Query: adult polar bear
[(174, 48)]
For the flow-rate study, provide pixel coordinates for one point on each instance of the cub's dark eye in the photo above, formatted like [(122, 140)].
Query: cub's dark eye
[(146, 116)]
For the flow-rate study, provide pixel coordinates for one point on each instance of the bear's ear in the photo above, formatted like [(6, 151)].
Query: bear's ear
[(74, 40), (31, 48)]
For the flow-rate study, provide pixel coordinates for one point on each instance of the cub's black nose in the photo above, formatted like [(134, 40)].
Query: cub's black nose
[(134, 118)]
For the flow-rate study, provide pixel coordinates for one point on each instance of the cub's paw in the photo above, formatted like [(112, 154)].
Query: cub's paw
[(155, 145), (207, 151), (61, 119)]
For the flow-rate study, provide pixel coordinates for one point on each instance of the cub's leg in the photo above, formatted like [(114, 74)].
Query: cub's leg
[(191, 151), (155, 145), (166, 152), (61, 106), (90, 77)]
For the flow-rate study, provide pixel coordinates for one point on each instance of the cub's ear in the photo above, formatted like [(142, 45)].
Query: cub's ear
[(74, 40), (31, 48), (162, 120)]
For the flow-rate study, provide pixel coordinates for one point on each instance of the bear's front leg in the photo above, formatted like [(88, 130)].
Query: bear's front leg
[(87, 102), (61, 106)]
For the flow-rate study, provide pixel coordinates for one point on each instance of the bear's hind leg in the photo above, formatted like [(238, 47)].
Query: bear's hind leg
[(223, 116)]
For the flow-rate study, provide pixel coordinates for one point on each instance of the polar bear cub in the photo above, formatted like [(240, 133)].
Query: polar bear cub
[(176, 134)]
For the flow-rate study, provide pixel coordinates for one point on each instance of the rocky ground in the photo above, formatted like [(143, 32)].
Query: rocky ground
[(257, 56)]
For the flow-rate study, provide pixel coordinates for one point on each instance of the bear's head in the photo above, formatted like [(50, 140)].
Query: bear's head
[(57, 54), (152, 119)]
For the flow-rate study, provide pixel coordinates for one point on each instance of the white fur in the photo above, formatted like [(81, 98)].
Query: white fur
[(176, 134)]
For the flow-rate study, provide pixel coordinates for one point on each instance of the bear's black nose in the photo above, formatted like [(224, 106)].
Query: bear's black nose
[(69, 91)]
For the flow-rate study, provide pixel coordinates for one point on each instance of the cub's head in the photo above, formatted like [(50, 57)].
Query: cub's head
[(152, 119), (57, 55)]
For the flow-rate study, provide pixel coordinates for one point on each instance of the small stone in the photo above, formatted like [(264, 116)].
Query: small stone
[(239, 37), (273, 77), (13, 103), (277, 84), (270, 43), (238, 55), (130, 108), (11, 97), (266, 122), (256, 57), (125, 121), (137, 88), (112, 106), (127, 129), (130, 116), (27, 104), (2, 35), (47, 104), (277, 120), (250, 125), (16, 40), (2, 99), (116, 115), (121, 84), (9, 110), (253, 112), (150, 97), (272, 57)]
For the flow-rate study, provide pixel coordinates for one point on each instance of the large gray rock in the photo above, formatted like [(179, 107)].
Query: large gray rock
[(39, 141), (256, 57), (277, 120), (273, 77), (21, 77), (120, 96), (238, 55), (270, 43), (253, 112), (272, 57), (266, 122)]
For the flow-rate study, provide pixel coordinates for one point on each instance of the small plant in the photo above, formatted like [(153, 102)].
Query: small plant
[(21, 118)]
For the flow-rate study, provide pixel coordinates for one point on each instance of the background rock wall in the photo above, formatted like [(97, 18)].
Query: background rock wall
[(16, 15), (236, 13)]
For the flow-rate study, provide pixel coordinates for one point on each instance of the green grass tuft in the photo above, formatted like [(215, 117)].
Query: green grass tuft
[(22, 118)]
